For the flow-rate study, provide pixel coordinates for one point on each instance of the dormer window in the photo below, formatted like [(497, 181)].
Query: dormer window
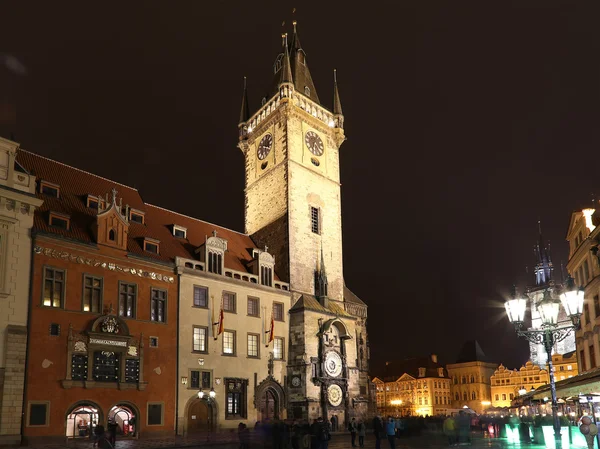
[(441, 372), (50, 189), (421, 372), (136, 216), (151, 245), (215, 262), (266, 275), (179, 232), (59, 221), (307, 91), (92, 202)]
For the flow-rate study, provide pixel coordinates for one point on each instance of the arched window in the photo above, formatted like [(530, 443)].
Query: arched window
[(497, 398), (463, 380), (111, 235), (472, 379), (307, 91), (465, 396), (455, 379), (473, 396), (457, 396)]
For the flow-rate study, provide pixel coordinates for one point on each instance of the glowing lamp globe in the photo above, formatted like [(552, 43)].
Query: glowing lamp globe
[(572, 300), (200, 394), (548, 309), (212, 393), (515, 310)]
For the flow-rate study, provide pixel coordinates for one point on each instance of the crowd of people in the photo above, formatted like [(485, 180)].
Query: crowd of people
[(278, 434)]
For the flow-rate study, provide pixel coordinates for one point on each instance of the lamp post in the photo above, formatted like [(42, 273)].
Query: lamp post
[(551, 331)]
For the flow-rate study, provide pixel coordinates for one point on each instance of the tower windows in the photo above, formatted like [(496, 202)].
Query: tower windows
[(266, 276), (215, 262), (315, 213)]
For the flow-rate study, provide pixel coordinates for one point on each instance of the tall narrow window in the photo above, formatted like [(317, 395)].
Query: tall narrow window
[(200, 296), (235, 401), (111, 235), (266, 276), (582, 359), (253, 306), (597, 306), (132, 370), (314, 220), (92, 294), (127, 299), (54, 287), (229, 302), (195, 379), (79, 366), (278, 311), (586, 271), (253, 345), (586, 313), (215, 261), (199, 343), (592, 357), (158, 305), (229, 343), (278, 348), (206, 379)]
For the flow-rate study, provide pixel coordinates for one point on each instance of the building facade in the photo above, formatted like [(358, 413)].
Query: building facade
[(17, 207), (103, 311), (507, 384), (470, 378), (413, 387), (291, 145)]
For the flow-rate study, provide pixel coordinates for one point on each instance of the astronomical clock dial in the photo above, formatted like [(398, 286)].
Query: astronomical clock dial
[(314, 143), (334, 395), (333, 364), (295, 381), (264, 147)]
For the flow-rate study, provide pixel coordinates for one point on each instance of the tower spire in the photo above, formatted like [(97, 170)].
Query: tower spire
[(245, 110), (321, 277), (286, 71), (337, 105), (302, 79), (543, 268)]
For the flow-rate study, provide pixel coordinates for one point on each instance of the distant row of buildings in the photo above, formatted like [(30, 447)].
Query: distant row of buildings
[(424, 387)]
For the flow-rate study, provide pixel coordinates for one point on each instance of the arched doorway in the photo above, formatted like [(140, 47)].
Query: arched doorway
[(82, 419), (269, 405), (200, 416), (124, 418)]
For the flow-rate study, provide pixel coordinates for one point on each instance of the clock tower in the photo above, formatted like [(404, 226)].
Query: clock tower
[(291, 146)]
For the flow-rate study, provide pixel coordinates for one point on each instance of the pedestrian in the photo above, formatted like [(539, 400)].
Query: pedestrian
[(361, 430), (352, 430), (450, 430), (391, 432), (377, 431)]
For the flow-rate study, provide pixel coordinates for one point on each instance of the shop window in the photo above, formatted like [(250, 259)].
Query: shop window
[(155, 414), (236, 401)]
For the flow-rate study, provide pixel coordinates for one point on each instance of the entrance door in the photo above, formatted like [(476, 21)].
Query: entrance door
[(82, 421), (199, 416), (268, 405)]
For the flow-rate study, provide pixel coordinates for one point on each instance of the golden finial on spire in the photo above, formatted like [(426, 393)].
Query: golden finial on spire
[(295, 22)]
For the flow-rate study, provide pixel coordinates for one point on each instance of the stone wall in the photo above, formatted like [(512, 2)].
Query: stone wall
[(13, 381)]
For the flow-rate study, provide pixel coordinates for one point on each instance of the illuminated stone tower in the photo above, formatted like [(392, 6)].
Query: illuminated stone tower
[(293, 205)]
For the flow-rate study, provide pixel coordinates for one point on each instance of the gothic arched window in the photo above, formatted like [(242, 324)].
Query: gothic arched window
[(111, 235)]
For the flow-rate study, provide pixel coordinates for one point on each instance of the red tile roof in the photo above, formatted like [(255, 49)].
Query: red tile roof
[(76, 185)]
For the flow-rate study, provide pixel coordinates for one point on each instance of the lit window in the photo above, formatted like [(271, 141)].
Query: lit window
[(229, 343), (127, 299), (200, 296), (54, 287), (278, 311), (235, 402), (253, 306), (199, 339), (314, 220), (158, 304), (92, 294), (47, 188), (229, 302), (278, 348), (252, 345), (59, 221)]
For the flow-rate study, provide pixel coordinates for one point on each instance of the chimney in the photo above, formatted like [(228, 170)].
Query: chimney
[(434, 358)]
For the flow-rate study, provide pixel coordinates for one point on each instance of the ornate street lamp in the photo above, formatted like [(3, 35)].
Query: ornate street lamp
[(211, 394), (551, 331)]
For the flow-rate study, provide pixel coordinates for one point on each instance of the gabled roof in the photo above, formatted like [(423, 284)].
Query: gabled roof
[(76, 185)]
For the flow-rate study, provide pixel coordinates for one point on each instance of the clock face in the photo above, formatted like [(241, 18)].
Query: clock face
[(314, 143), (334, 395), (333, 364), (264, 147), (295, 381)]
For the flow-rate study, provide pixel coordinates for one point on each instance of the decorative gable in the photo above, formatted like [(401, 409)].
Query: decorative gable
[(263, 264), (212, 253), (113, 225)]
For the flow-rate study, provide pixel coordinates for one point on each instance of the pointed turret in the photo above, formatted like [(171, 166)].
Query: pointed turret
[(245, 110), (302, 79), (337, 104), (543, 267), (321, 278), (282, 68)]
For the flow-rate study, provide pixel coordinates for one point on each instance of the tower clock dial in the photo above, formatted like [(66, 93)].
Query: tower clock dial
[(314, 143), (264, 147), (334, 395), (333, 364)]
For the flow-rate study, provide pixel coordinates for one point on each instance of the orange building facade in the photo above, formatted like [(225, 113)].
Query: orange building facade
[(103, 312)]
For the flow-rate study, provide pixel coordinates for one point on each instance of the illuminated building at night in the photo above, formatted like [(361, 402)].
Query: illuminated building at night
[(507, 384)]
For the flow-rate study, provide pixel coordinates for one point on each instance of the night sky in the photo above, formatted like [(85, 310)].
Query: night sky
[(466, 123)]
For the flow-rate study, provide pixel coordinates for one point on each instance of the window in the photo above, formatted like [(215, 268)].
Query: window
[(314, 220), (229, 302), (38, 413), (158, 305), (511, 396), (195, 379), (92, 202), (200, 296), (111, 235), (253, 306), (420, 401), (179, 232), (59, 221), (199, 343), (586, 313), (54, 287), (55, 330), (426, 401), (586, 271), (153, 342), (155, 413), (266, 276), (206, 379), (497, 398), (79, 366), (127, 299), (278, 311), (569, 367), (504, 396), (229, 343), (215, 262), (278, 348), (592, 357), (151, 246), (136, 217), (562, 368), (235, 402), (253, 340), (472, 379), (92, 294), (47, 188), (132, 370), (106, 366)]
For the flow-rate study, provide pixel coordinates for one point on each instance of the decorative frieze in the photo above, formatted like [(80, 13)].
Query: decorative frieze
[(64, 255)]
